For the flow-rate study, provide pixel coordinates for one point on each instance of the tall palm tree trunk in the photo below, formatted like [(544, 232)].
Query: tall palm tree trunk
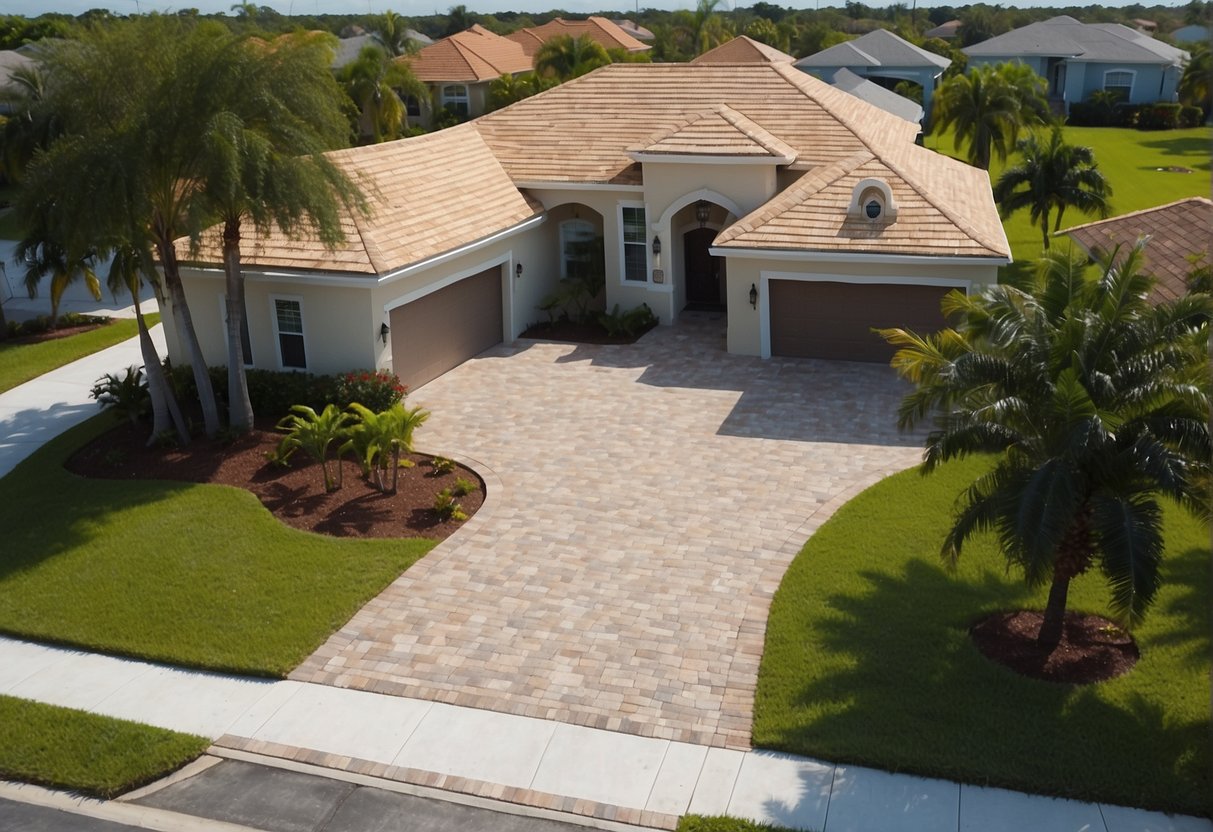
[(166, 414), (240, 409), (185, 326), (1044, 229), (1055, 612)]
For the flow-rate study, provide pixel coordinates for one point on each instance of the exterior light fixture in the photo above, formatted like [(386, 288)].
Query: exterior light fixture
[(517, 270), (384, 331), (703, 209), (753, 296), (656, 245)]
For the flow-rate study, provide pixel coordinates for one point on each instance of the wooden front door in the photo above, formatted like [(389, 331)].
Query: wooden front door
[(702, 269)]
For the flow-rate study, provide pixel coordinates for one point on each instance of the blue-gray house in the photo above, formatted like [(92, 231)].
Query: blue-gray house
[(880, 55), (1076, 59)]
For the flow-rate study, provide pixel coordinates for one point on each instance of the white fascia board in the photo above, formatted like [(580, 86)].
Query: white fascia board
[(695, 159), (576, 186), (849, 257), (436, 260), (359, 281)]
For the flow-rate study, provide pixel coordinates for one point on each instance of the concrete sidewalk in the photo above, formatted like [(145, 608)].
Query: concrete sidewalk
[(591, 772), (33, 413)]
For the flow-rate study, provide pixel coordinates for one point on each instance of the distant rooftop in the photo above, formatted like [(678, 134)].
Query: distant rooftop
[(1065, 37), (878, 48)]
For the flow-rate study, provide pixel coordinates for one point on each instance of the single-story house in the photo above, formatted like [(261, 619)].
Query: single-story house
[(349, 48), (743, 50), (805, 215), (882, 55), (603, 31), (878, 96), (458, 70), (1179, 232), (634, 29), (1076, 59)]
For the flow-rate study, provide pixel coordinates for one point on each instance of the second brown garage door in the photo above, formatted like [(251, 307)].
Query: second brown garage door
[(440, 331), (818, 319)]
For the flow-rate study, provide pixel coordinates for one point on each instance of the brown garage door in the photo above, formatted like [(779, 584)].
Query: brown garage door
[(440, 331), (811, 319)]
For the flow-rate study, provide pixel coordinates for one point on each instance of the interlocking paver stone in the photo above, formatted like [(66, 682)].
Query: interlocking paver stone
[(645, 503)]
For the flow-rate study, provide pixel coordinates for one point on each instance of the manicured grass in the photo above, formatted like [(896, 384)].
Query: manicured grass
[(723, 823), (868, 661), (1128, 158), (198, 575), (21, 362), (96, 755)]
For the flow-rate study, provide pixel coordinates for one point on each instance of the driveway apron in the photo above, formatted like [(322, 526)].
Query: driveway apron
[(646, 501)]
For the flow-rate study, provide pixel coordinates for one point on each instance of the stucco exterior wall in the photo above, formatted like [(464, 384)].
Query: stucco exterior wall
[(1151, 82), (746, 324)]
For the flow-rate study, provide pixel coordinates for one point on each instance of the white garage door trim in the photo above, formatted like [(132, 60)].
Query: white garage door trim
[(764, 292), (507, 290)]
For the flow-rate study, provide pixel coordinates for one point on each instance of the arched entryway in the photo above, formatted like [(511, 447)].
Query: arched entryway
[(704, 272)]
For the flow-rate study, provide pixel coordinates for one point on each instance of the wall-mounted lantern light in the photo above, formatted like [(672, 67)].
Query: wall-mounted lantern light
[(656, 245), (384, 331), (517, 270), (753, 296), (703, 210)]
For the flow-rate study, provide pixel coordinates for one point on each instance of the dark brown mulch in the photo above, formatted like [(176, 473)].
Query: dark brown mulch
[(54, 334), (1092, 648), (573, 332), (295, 495)]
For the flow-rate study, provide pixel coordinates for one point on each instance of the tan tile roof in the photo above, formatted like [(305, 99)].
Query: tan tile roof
[(605, 32), (947, 212), (472, 55), (744, 50), (429, 195), (1176, 230), (580, 131), (720, 131)]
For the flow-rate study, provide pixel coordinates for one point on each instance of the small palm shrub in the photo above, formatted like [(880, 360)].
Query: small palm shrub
[(378, 438), (447, 508), (315, 433), (126, 395), (627, 324)]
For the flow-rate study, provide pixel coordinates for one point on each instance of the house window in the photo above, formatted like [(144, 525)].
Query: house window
[(455, 99), (1119, 81), (412, 106), (577, 241), (288, 326), (246, 343), (635, 245)]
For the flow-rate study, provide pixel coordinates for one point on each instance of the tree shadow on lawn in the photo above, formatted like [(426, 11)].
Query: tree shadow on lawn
[(1183, 146), (910, 692)]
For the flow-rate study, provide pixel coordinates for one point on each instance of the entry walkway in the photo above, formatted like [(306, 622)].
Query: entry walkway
[(608, 775)]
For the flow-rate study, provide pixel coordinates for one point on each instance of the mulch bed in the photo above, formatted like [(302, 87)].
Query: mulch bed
[(295, 495), (1092, 648), (54, 334), (577, 333)]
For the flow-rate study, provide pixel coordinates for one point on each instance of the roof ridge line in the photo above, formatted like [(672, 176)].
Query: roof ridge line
[(1139, 212), (766, 143)]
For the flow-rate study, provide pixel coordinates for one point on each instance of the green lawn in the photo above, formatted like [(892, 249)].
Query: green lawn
[(198, 575), (21, 362), (868, 661), (95, 755), (1129, 159), (723, 823)]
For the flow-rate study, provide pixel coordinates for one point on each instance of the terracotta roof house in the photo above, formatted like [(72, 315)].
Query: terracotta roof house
[(603, 31), (882, 55), (1076, 59), (743, 50), (1178, 232), (802, 214), (458, 70), (634, 29)]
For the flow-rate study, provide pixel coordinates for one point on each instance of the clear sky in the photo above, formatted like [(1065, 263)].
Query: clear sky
[(421, 7)]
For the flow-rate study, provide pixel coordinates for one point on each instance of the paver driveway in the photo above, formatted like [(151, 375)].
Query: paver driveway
[(650, 498)]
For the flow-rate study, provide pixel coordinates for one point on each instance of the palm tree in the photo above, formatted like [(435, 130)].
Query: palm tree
[(704, 27), (987, 107), (458, 19), (1196, 84), (27, 127), (391, 31), (45, 256), (508, 89), (565, 57), (374, 82), (1051, 177), (1094, 403), (316, 433)]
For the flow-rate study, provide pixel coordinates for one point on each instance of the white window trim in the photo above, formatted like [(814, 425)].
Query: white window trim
[(448, 98), (564, 270), (1132, 73), (302, 322), (764, 292), (248, 362), (648, 251)]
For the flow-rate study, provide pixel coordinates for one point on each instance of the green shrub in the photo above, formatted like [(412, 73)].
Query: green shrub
[(446, 507), (127, 395), (315, 433), (442, 465), (1160, 116), (463, 487), (722, 823), (627, 324), (1191, 116), (272, 392), (42, 323), (376, 390)]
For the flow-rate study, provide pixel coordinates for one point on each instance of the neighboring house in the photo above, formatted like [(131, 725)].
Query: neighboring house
[(1178, 232), (804, 215), (1191, 34), (878, 96), (11, 60), (945, 31), (349, 48), (1076, 59), (458, 70), (743, 50), (634, 29), (603, 31), (881, 55), (1149, 27)]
